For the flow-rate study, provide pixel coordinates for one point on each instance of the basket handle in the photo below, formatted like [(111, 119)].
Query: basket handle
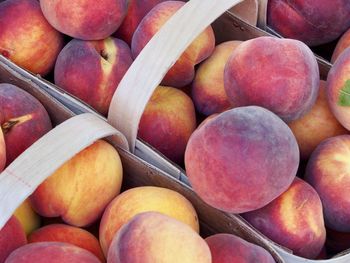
[(45, 156), (157, 57)]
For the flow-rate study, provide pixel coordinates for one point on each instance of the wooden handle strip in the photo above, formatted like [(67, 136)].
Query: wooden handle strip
[(45, 156), (151, 65)]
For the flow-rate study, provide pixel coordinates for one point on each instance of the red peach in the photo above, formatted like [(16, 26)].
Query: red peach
[(92, 70), (245, 154), (343, 43), (2, 151), (23, 120), (85, 19), (26, 38), (313, 22), (68, 234), (152, 237), (317, 125), (227, 248), (281, 75), (182, 72), (53, 252), (12, 236), (208, 91), (294, 220), (137, 10), (168, 122)]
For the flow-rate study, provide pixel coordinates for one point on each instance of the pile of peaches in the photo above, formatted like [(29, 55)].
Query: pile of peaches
[(257, 130)]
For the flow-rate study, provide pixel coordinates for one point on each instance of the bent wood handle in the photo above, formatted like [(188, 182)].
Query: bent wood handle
[(151, 65), (45, 156)]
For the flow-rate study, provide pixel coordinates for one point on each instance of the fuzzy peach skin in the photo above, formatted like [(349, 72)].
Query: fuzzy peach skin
[(227, 248), (53, 252), (152, 237), (68, 234), (317, 125), (338, 87), (92, 70), (23, 120), (143, 199), (328, 172), (27, 217), (2, 151), (313, 22), (80, 190), (168, 122), (26, 38), (85, 19), (241, 159), (294, 220), (137, 10), (12, 236), (208, 91), (278, 74), (182, 72), (343, 43)]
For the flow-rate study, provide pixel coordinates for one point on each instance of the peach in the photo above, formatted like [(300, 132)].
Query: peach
[(12, 236), (2, 151), (23, 120), (227, 248), (137, 10), (154, 237), (80, 189), (27, 217), (182, 72), (278, 74), (53, 252), (143, 199), (168, 122), (317, 125), (328, 172), (313, 22), (246, 154), (85, 19), (68, 234), (338, 89), (343, 43), (208, 92), (294, 220), (92, 70), (26, 38)]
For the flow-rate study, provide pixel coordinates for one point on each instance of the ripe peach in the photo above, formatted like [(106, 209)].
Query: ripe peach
[(328, 172), (144, 199), (80, 190), (92, 70), (85, 19), (182, 73), (338, 89), (343, 43), (27, 217), (168, 122), (227, 248), (53, 252), (26, 38), (293, 220), (12, 236), (68, 234), (245, 154), (23, 120), (313, 22), (208, 92), (317, 125), (152, 237), (137, 10), (281, 75)]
